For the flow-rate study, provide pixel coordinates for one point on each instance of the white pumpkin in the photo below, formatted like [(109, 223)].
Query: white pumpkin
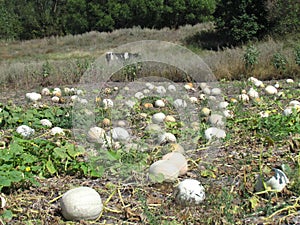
[(67, 90), (178, 160), (203, 85), (163, 170), (166, 138), (223, 105), (253, 93), (74, 98), (158, 117), (45, 91), (216, 119), (202, 96), (276, 183), (146, 91), (207, 91), (79, 92), (271, 90), (139, 95), (96, 135), (2, 201), (171, 88), (161, 90), (294, 103), (119, 134), (57, 92), (57, 131), (189, 192), (170, 119), (179, 103), (243, 97), (46, 122), (159, 103), (55, 99), (150, 86), (82, 203), (33, 96), (108, 103), (193, 99), (256, 82), (214, 132), (25, 131), (205, 111), (216, 91)]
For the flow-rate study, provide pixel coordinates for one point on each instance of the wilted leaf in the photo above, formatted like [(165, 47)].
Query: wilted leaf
[(254, 201), (208, 173)]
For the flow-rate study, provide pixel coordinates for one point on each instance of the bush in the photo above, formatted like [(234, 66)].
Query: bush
[(251, 56), (279, 61)]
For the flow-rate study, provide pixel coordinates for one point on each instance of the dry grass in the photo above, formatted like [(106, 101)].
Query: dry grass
[(229, 63), (63, 60)]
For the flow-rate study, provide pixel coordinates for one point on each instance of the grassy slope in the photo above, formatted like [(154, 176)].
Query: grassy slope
[(62, 60)]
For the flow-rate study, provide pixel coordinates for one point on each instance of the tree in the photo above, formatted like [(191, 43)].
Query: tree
[(10, 27), (284, 16), (241, 20), (75, 17)]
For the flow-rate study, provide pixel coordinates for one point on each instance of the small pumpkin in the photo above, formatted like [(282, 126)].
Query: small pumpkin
[(189, 192)]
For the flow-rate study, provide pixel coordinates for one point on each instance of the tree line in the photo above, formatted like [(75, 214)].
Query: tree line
[(239, 20), (27, 19)]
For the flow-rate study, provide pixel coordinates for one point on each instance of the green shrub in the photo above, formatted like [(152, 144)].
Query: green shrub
[(251, 56), (279, 61)]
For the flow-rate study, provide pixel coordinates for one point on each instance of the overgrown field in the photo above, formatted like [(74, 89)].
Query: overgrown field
[(63, 60), (36, 170)]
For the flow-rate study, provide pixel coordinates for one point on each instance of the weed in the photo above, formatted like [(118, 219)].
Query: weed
[(279, 61), (251, 56)]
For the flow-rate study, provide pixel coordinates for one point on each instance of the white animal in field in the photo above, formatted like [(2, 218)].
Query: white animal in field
[(112, 56)]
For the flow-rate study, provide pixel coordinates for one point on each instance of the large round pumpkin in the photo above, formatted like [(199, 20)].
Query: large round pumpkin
[(82, 203)]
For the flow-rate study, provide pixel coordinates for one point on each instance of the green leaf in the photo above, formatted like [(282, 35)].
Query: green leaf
[(7, 215), (50, 167), (113, 155), (74, 151), (97, 171), (4, 182), (158, 178), (61, 153), (15, 176)]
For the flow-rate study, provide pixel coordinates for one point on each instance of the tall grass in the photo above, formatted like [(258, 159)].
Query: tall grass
[(229, 63), (63, 60)]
